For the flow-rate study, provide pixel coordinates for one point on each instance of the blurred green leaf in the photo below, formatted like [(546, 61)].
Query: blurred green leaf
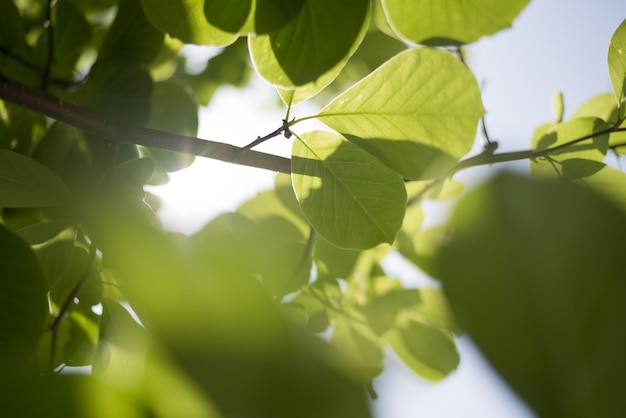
[(360, 347), (617, 62), (83, 329), (230, 67), (23, 304), (69, 396), (542, 296), (185, 20), (429, 351), (122, 348), (38, 233), (263, 237), (128, 178), (324, 33), (451, 22), (417, 113), (349, 197), (19, 127), (72, 33), (26, 183), (55, 257)]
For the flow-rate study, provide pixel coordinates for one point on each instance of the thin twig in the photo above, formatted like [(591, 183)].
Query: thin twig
[(283, 129)]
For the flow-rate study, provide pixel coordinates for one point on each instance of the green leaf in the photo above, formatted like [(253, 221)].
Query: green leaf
[(264, 237), (80, 348), (174, 109), (359, 346), (77, 268), (374, 50), (617, 62), (55, 256), (333, 262), (129, 177), (535, 272), (602, 106), (595, 175), (19, 127), (23, 304), (26, 183), (251, 16), (434, 189), (420, 246), (230, 67), (131, 41), (451, 22), (11, 27), (324, 33), (121, 346), (39, 233), (417, 113), (185, 20), (429, 351), (555, 135), (72, 34), (348, 196)]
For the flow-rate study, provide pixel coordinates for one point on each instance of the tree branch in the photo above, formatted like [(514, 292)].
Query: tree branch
[(120, 132)]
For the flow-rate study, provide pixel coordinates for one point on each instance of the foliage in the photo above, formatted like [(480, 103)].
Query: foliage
[(283, 308)]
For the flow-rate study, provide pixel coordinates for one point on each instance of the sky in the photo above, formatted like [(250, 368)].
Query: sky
[(554, 45)]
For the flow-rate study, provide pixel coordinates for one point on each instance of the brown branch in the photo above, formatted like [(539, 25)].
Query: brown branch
[(120, 132)]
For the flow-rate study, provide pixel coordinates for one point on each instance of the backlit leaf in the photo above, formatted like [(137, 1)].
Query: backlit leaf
[(450, 22), (535, 273), (555, 135), (617, 62), (324, 33), (26, 183), (417, 113), (350, 198)]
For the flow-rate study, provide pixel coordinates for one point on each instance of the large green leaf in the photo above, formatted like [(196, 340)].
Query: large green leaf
[(185, 20), (224, 331), (535, 272), (349, 197), (23, 304), (617, 62), (450, 22), (26, 183), (251, 16), (324, 34), (417, 113)]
